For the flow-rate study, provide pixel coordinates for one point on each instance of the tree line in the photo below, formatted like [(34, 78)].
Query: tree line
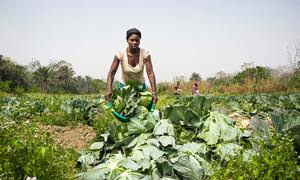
[(56, 77), (60, 77), (250, 79)]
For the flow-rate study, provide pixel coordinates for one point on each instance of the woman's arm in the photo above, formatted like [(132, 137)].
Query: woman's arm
[(151, 76), (110, 77)]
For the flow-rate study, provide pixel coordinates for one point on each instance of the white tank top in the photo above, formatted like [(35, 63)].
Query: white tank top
[(129, 72)]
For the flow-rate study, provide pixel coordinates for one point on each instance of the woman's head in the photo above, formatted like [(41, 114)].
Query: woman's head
[(133, 37)]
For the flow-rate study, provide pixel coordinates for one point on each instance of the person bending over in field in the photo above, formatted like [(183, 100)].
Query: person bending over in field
[(132, 59), (195, 90), (177, 90)]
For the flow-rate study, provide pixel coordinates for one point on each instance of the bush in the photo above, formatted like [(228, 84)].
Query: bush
[(295, 79), (103, 121), (255, 73), (5, 86), (275, 159), (26, 152), (163, 87), (19, 91)]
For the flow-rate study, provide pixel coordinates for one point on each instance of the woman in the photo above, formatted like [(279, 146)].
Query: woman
[(132, 59), (177, 90), (195, 89)]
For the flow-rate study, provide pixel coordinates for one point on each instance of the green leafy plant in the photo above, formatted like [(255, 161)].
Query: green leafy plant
[(148, 146), (26, 152), (275, 158), (126, 100)]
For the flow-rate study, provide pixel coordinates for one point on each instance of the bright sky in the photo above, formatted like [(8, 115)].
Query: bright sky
[(183, 36)]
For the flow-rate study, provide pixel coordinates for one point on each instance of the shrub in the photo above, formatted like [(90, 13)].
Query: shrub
[(19, 91), (255, 73), (26, 152), (275, 159), (295, 79), (5, 86)]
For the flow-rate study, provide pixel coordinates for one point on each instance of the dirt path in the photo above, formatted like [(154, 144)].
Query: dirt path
[(77, 137)]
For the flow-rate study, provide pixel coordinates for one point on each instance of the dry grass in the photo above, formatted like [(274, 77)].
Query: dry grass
[(253, 86), (249, 86)]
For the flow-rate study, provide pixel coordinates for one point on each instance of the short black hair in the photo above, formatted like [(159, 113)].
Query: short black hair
[(133, 31)]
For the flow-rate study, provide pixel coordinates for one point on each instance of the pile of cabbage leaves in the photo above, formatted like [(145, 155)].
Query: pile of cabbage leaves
[(126, 100)]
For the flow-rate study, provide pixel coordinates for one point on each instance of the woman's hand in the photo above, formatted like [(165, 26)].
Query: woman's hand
[(108, 96), (154, 96)]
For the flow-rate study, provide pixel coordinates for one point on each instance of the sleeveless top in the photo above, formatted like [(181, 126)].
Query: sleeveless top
[(129, 72)]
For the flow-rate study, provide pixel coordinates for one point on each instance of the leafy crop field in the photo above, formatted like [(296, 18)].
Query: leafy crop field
[(254, 136)]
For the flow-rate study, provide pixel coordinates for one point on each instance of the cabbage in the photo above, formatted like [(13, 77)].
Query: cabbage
[(145, 99), (119, 104)]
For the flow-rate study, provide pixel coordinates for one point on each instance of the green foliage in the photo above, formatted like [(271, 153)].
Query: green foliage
[(162, 87), (217, 82), (102, 121), (195, 77), (191, 138), (55, 110), (255, 73), (58, 118), (257, 104), (82, 109), (26, 152), (53, 78), (295, 79), (5, 86), (43, 76), (19, 108), (284, 120), (145, 99), (148, 146), (165, 100), (126, 100), (15, 74), (19, 90), (274, 159)]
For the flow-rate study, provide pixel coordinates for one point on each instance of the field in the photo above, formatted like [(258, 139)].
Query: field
[(251, 136)]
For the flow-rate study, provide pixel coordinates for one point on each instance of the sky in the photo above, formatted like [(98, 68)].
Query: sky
[(183, 36)]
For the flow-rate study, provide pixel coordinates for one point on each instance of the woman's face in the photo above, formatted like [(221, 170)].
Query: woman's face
[(134, 41)]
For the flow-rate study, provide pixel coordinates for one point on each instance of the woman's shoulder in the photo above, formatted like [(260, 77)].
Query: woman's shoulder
[(144, 52), (120, 53)]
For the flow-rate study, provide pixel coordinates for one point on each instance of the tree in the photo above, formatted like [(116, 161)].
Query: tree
[(43, 75), (95, 85), (34, 65), (65, 78), (17, 75), (254, 73), (195, 77), (247, 65), (81, 84), (54, 78), (295, 58), (220, 74), (295, 63)]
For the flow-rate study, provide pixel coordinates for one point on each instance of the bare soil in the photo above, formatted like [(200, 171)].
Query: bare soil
[(76, 137), (241, 121)]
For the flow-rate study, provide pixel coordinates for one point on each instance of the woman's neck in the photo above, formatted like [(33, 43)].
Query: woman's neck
[(133, 50)]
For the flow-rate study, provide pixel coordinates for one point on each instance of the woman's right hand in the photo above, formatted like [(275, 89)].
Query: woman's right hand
[(108, 96)]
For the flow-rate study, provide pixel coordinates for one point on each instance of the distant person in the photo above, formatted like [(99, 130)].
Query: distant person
[(195, 89), (132, 59), (177, 90)]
